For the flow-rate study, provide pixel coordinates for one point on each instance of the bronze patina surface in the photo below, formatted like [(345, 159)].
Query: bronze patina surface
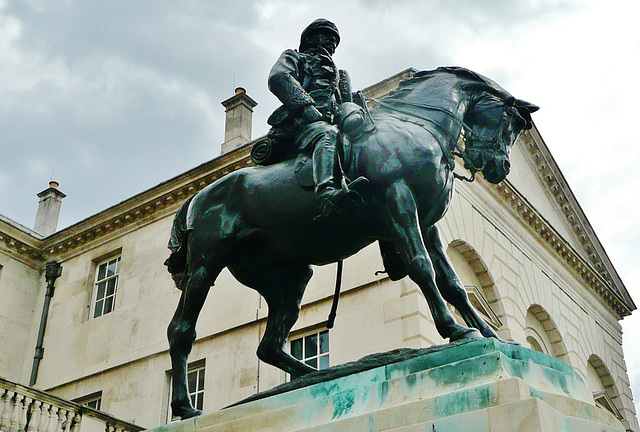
[(263, 226)]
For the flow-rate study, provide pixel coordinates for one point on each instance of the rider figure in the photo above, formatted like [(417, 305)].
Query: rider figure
[(311, 89)]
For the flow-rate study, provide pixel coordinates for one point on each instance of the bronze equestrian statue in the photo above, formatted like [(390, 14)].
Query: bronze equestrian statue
[(263, 225)]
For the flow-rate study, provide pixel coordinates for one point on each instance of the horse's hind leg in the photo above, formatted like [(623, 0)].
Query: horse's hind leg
[(282, 286), (182, 334), (450, 285)]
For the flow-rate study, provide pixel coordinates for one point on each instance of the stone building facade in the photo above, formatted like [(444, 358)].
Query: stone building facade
[(531, 262)]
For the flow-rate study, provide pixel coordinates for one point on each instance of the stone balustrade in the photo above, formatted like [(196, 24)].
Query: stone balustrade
[(24, 409)]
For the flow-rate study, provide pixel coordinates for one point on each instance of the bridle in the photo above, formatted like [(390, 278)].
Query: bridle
[(481, 143)]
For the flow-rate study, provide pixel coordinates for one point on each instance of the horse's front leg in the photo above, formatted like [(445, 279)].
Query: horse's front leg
[(402, 221), (181, 334), (450, 285)]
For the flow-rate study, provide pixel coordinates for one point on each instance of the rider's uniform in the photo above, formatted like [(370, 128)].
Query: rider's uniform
[(302, 79)]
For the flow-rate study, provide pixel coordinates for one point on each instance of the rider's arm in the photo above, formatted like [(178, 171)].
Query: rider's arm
[(284, 82), (344, 86)]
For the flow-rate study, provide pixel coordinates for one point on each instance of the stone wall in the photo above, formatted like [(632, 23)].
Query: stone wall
[(19, 288)]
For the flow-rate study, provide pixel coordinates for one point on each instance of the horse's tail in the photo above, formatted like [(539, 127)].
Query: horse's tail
[(177, 261)]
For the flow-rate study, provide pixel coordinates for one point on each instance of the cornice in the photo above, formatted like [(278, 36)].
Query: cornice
[(139, 210), (545, 231), (550, 175), (21, 243), (147, 206), (384, 87)]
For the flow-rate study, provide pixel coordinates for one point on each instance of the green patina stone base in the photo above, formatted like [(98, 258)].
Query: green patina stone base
[(482, 385)]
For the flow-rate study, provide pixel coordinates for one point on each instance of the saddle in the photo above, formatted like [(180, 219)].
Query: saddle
[(303, 166), (352, 118)]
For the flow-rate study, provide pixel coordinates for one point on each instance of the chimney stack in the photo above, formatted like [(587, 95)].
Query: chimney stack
[(237, 127), (49, 209)]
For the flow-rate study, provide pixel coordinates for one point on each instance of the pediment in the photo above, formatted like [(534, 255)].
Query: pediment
[(532, 176), (547, 203)]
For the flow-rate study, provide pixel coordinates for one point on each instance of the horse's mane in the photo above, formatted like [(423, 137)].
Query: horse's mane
[(468, 77)]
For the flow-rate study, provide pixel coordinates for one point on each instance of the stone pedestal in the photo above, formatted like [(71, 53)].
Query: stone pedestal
[(482, 385)]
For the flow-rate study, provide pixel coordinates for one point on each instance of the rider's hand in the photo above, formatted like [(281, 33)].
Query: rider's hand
[(311, 114)]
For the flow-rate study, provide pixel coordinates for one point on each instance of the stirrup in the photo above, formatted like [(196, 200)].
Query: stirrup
[(331, 200), (358, 184), (355, 189)]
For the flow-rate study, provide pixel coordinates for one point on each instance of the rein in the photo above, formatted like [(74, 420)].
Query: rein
[(336, 296)]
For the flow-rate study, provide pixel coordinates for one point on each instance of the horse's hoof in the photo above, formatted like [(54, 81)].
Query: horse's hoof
[(185, 412), (191, 413), (306, 369), (465, 333), (508, 342)]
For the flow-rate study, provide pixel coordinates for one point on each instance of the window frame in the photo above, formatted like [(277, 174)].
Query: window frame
[(320, 352), (536, 340), (106, 279), (481, 304), (90, 399), (603, 400), (199, 393)]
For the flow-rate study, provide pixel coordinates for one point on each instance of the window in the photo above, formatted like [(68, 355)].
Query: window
[(535, 345), (542, 333), (597, 375), (478, 283), (105, 286), (312, 349), (480, 303), (93, 400), (603, 400), (195, 386)]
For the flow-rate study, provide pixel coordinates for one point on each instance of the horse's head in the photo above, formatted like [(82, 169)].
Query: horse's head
[(495, 122)]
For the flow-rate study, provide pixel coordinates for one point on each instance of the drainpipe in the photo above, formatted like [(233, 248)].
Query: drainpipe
[(53, 270)]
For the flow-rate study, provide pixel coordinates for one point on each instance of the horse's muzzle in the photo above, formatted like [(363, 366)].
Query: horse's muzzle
[(496, 169)]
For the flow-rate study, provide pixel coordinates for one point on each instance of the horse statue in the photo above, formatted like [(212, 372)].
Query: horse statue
[(262, 225)]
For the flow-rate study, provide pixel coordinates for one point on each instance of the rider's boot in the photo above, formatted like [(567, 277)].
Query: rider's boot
[(330, 191)]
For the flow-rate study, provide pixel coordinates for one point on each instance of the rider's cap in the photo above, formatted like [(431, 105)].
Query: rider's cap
[(320, 24)]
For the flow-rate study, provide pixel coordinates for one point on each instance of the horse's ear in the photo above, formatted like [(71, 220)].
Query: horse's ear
[(527, 105), (525, 109)]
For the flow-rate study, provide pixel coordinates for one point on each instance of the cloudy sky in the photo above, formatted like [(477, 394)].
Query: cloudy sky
[(114, 97)]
